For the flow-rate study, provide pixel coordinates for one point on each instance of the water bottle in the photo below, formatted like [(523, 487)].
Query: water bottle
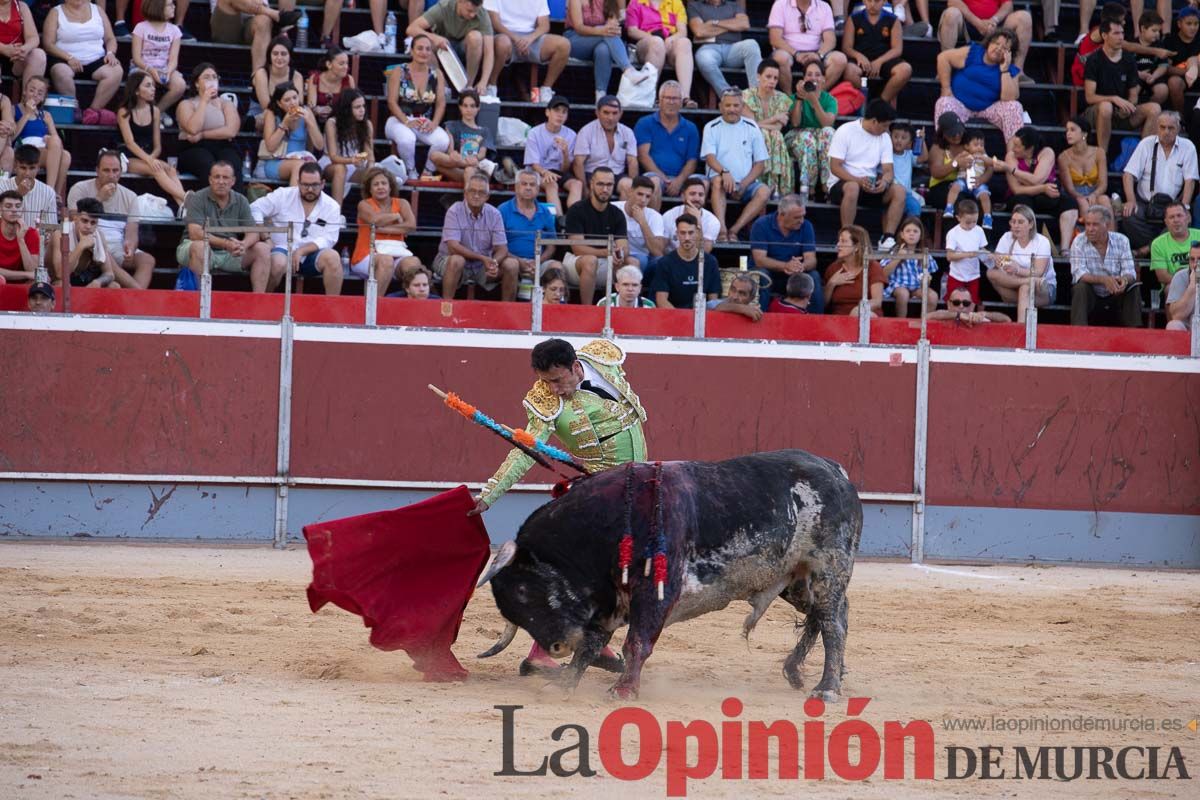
[(302, 29), (863, 111), (345, 260), (804, 191), (246, 167), (918, 141), (389, 33)]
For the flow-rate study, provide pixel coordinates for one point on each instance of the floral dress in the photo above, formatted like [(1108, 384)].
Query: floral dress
[(809, 143), (780, 174)]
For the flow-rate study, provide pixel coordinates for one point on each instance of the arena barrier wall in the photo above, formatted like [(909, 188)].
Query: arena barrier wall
[(134, 427)]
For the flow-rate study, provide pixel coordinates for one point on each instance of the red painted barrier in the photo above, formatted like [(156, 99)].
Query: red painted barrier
[(1065, 439)]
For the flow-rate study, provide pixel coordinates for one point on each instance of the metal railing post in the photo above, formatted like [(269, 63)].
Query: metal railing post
[(538, 296), (284, 430), (287, 289), (372, 293), (206, 279), (699, 304), (864, 305), (924, 292), (41, 274), (920, 452), (607, 333), (1196, 314)]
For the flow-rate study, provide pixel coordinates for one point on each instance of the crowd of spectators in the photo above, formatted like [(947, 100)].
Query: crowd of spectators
[(663, 190)]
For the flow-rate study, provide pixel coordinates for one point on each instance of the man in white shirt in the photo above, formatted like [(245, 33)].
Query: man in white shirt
[(523, 37), (119, 226), (645, 225), (860, 169), (694, 192), (1162, 164), (316, 220)]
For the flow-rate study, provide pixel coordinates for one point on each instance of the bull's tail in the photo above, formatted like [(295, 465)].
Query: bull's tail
[(793, 667)]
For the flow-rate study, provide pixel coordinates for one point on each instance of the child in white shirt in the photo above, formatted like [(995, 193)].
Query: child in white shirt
[(966, 247)]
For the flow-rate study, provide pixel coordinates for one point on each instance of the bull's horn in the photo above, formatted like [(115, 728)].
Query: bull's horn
[(510, 631), (501, 560)]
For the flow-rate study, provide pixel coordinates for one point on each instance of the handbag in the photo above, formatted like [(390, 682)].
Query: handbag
[(1156, 208)]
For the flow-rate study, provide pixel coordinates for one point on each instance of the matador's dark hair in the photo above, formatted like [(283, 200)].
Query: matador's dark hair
[(553, 353)]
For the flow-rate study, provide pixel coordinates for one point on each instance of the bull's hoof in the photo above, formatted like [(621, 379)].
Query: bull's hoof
[(623, 691), (827, 695), (610, 663), (541, 667)]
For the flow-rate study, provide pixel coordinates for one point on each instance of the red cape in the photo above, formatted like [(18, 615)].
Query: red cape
[(408, 573)]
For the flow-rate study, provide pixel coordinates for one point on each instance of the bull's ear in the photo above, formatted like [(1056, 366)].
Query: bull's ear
[(502, 559)]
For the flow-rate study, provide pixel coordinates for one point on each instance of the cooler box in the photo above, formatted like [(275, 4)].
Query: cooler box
[(61, 108)]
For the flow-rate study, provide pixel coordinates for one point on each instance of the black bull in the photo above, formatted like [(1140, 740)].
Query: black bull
[(783, 524)]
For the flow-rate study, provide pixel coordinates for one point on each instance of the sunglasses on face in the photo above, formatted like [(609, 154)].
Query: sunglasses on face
[(958, 303)]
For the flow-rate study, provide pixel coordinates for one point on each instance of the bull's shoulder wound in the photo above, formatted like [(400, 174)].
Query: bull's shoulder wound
[(542, 401), (604, 352)]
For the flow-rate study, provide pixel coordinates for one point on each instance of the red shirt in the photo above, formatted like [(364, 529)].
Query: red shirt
[(844, 298), (779, 306), (10, 251), (984, 9)]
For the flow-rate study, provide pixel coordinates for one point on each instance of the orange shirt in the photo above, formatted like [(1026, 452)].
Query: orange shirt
[(362, 245)]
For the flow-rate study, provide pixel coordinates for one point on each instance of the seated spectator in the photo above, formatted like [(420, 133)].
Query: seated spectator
[(33, 124), (974, 170), (1162, 168), (218, 206), (733, 148), (119, 226), (1083, 177), (291, 134), (985, 17), (1102, 273), (801, 32), (1185, 44), (463, 26), (874, 46), (20, 42), (393, 219), (417, 284), (416, 96), (349, 143), (139, 122), (628, 286), (19, 243), (594, 217), (1169, 250), (844, 277), (251, 22), (904, 162), (523, 216), (813, 116), (554, 287), (1031, 169), (605, 142), (470, 144), (784, 244), (675, 282), (979, 80), (522, 36), (742, 298), (594, 31), (41, 298), (717, 26), (1152, 64), (1111, 88), (771, 109), (668, 146), (658, 29), (550, 152), (960, 309), (947, 148), (796, 297), (1181, 295), (327, 83), (79, 41), (966, 248), (905, 268), (1023, 250), (644, 225), (694, 192), (1089, 40), (277, 70), (860, 165), (156, 43), (90, 262), (475, 246), (208, 124), (319, 219), (38, 201)]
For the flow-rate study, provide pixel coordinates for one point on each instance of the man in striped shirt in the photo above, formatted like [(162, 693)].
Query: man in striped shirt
[(39, 203)]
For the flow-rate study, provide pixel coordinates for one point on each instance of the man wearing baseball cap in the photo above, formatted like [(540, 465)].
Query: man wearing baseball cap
[(41, 298), (549, 150)]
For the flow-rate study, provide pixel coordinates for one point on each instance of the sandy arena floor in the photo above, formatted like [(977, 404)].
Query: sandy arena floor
[(177, 671)]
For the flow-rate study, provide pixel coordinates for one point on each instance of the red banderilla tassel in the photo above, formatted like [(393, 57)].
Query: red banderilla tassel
[(660, 572), (625, 557)]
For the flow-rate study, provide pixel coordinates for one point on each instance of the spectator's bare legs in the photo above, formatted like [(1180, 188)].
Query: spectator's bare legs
[(1021, 23), (473, 45), (175, 89), (950, 26), (901, 296), (120, 12), (33, 65), (181, 9), (1086, 9), (951, 195), (257, 261), (379, 18), (108, 81), (895, 208), (142, 265), (586, 266), (452, 276), (268, 279), (624, 187), (509, 273), (336, 175), (679, 48), (557, 51), (329, 264), (56, 161), (1104, 114), (385, 270), (167, 178), (333, 11), (849, 206), (751, 210), (503, 47), (717, 197), (417, 7), (901, 74), (922, 11)]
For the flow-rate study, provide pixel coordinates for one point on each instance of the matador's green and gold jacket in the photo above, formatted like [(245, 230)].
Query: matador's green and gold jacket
[(598, 432)]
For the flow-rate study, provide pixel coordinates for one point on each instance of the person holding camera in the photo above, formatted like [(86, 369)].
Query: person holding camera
[(813, 115), (1162, 168)]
